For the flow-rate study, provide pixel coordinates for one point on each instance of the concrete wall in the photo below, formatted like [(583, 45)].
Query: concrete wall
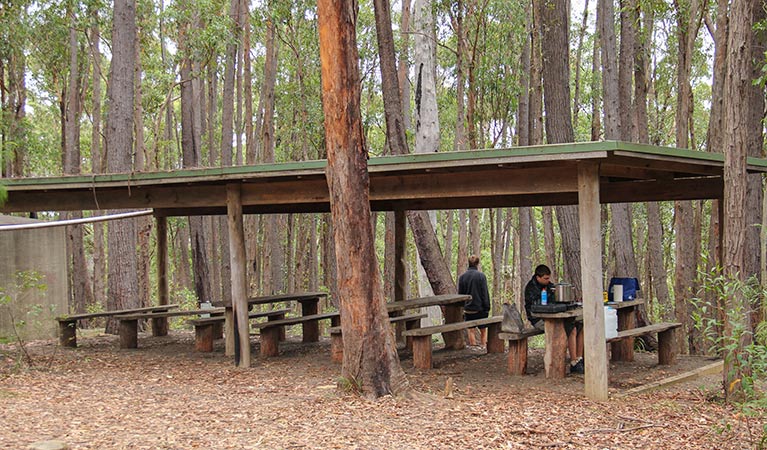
[(43, 251)]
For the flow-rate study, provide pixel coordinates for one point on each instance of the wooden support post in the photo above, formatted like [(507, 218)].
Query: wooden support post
[(68, 333), (589, 214), (160, 326), (336, 347), (270, 338), (400, 270), (239, 275), (666, 347), (229, 332), (411, 324), (453, 339), (556, 347), (623, 350), (422, 352), (279, 316), (494, 343), (128, 334), (203, 338), (310, 329), (518, 357)]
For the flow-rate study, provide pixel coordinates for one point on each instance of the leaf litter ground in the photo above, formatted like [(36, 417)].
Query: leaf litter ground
[(165, 396)]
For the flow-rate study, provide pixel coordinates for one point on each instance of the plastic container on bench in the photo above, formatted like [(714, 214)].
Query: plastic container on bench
[(611, 322)]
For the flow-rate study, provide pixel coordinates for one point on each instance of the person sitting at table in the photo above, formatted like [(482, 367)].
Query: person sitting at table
[(474, 283), (542, 280)]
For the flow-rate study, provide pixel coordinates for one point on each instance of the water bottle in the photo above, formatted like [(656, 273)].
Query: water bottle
[(544, 297)]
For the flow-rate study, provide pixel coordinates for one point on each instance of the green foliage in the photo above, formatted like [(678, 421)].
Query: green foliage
[(26, 283), (745, 347)]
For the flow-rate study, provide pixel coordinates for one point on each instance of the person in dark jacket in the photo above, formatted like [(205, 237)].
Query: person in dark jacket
[(542, 280), (474, 283)]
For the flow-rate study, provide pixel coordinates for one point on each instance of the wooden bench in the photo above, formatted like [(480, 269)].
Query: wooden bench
[(422, 338), (518, 349), (68, 323), (270, 331), (129, 322), (205, 329), (665, 330), (411, 321)]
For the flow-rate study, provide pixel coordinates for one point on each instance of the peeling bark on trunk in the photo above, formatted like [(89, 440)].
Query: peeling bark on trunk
[(370, 361)]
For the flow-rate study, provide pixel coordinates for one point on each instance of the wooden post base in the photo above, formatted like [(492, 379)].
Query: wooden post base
[(129, 334), (494, 343), (518, 357), (666, 352), (68, 333), (336, 347), (270, 338), (556, 348), (160, 326), (203, 338), (422, 352), (623, 350)]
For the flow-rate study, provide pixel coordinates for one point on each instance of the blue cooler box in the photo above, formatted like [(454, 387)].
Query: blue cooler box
[(630, 289)]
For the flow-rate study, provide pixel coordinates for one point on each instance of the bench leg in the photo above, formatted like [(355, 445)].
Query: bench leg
[(336, 347), (218, 330), (229, 332), (666, 351), (518, 357), (411, 324), (282, 329), (556, 348), (494, 343), (270, 338), (68, 333), (311, 329), (623, 350), (160, 326), (129, 334), (422, 352), (453, 339), (203, 337)]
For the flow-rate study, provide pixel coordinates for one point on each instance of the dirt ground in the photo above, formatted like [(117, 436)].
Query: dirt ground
[(163, 395)]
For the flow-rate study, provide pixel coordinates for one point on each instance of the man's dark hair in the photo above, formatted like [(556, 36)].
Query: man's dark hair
[(473, 261), (542, 270)]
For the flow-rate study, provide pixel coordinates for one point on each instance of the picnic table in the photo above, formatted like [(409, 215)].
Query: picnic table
[(309, 307), (622, 345), (453, 312), (68, 322)]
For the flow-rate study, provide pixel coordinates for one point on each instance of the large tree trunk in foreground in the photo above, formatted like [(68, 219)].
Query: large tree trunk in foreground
[(121, 235), (737, 137), (371, 363)]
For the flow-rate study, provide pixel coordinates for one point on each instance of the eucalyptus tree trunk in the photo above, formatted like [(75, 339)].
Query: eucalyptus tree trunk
[(143, 224), (523, 263), (97, 159), (689, 19), (190, 142), (274, 260), (578, 59), (79, 281), (121, 235), (370, 360), (737, 137), (436, 270)]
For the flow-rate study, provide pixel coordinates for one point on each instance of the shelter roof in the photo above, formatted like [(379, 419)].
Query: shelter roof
[(519, 176)]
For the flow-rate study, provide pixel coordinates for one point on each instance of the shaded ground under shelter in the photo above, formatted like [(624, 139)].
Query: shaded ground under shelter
[(582, 174)]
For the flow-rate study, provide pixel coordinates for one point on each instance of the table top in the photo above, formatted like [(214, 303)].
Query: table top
[(296, 296), (445, 299), (578, 312)]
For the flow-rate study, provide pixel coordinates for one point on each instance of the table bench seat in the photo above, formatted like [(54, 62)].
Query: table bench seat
[(411, 321), (665, 331), (422, 351), (129, 322), (517, 361), (206, 329), (271, 330), (68, 323)]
